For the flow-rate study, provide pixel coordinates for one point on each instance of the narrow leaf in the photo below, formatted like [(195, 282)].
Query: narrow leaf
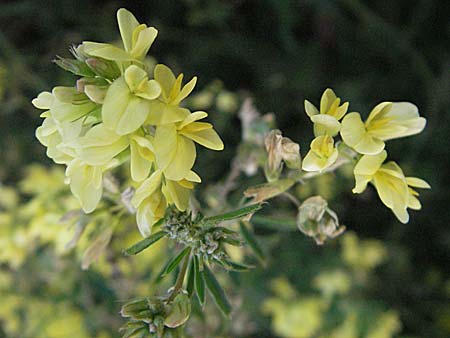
[(251, 240), (199, 282), (145, 243), (175, 262), (239, 213), (216, 291), (234, 266)]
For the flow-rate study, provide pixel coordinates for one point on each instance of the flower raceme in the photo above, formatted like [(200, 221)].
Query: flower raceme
[(118, 114), (388, 120)]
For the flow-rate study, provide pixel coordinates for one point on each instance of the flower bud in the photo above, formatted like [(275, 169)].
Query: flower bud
[(274, 165), (290, 153), (103, 68), (316, 220), (179, 312)]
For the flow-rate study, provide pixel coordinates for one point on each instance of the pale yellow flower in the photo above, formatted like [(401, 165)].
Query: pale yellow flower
[(166, 109), (142, 156), (388, 120), (326, 121), (49, 134), (65, 104), (155, 193), (99, 145), (322, 154), (126, 104), (391, 184), (137, 40), (175, 148), (86, 182)]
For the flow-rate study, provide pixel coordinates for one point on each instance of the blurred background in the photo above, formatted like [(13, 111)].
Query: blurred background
[(380, 279)]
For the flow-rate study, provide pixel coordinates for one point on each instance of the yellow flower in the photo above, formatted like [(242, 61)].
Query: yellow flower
[(155, 193), (56, 136), (326, 121), (391, 184), (166, 109), (388, 120), (322, 154), (86, 182), (142, 155), (175, 148), (126, 104), (65, 104), (137, 40), (99, 145)]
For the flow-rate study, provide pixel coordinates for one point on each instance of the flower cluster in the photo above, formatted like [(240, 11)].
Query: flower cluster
[(387, 121), (120, 111)]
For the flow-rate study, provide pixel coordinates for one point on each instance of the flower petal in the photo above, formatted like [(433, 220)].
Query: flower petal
[(144, 41), (134, 116), (147, 188), (165, 78), (115, 103), (195, 116), (43, 101), (127, 24), (310, 109), (327, 125), (327, 99), (417, 183), (106, 51), (206, 137), (187, 89)]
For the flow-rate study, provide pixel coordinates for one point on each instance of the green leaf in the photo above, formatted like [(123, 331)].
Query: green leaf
[(199, 282), (251, 240), (216, 291), (191, 278), (239, 213), (145, 243), (234, 266), (175, 261)]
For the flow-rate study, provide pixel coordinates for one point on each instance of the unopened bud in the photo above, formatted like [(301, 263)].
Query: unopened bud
[(290, 153), (274, 165), (179, 312), (103, 68), (316, 220)]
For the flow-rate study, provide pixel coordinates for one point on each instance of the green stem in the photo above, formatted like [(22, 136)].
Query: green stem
[(180, 279)]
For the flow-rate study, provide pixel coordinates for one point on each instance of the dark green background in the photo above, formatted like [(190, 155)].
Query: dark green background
[(281, 52)]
